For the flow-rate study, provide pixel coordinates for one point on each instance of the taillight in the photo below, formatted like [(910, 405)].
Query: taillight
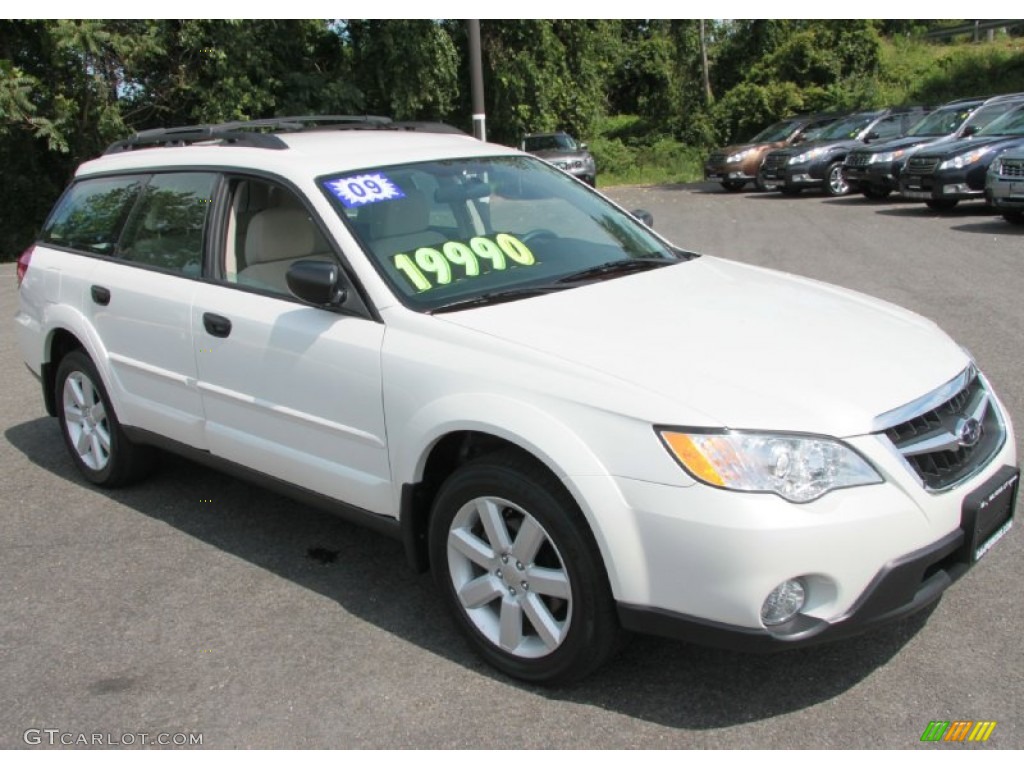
[(23, 261)]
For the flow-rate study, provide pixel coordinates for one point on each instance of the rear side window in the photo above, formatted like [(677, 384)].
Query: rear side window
[(89, 217), (166, 227)]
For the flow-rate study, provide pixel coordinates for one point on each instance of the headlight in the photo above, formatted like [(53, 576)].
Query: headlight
[(967, 158), (737, 157), (796, 467), (810, 154), (887, 157)]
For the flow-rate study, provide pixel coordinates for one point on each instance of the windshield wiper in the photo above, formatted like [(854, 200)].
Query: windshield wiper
[(620, 267), (497, 297)]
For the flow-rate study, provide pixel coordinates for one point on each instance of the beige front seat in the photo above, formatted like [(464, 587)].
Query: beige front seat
[(401, 225), (275, 239)]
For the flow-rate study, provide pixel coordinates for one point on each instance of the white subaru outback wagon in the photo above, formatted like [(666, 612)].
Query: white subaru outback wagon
[(463, 347)]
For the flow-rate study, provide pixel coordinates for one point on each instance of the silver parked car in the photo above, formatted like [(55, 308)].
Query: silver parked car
[(1004, 184)]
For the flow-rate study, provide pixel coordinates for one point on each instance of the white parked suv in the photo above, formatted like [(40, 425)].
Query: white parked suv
[(578, 427)]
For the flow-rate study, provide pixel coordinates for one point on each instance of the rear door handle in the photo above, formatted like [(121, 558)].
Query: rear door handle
[(100, 295), (216, 325)]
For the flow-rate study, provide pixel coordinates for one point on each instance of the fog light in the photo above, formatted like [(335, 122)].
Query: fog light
[(955, 189), (783, 603)]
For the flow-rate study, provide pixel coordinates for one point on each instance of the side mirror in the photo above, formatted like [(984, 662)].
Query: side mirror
[(316, 283), (970, 130), (583, 145), (644, 217), (871, 137)]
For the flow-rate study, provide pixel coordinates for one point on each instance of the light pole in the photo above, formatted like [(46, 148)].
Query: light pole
[(476, 77)]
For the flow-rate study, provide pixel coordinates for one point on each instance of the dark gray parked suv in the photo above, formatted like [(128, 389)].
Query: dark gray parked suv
[(562, 151)]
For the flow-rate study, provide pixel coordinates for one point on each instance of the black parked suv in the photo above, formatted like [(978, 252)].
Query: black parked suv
[(875, 170), (944, 175), (820, 163)]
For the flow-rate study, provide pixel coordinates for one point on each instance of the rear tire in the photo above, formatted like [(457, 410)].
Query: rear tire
[(518, 566), (93, 435)]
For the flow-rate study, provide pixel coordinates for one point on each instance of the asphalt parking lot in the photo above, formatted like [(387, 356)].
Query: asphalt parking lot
[(196, 604)]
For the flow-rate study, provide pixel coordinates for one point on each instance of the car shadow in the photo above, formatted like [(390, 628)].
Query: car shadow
[(994, 227), (660, 681), (920, 210)]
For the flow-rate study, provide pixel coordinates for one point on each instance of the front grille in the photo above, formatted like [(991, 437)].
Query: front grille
[(858, 159), (775, 161), (918, 165), (1013, 169), (949, 442)]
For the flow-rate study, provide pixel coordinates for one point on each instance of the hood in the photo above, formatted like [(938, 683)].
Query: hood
[(799, 149), (732, 149), (953, 148), (905, 142), (736, 346)]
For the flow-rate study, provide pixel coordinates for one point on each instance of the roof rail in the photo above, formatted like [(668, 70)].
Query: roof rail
[(1005, 97), (260, 133)]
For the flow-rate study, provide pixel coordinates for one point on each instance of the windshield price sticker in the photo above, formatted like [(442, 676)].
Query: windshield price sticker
[(428, 268), (354, 191)]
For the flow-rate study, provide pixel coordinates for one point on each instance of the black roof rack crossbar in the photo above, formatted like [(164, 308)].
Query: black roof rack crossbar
[(260, 133)]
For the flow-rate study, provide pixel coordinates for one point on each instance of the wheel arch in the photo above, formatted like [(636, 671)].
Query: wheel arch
[(551, 444)]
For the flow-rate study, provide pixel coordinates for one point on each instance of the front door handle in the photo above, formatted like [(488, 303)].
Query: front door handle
[(216, 325), (100, 295)]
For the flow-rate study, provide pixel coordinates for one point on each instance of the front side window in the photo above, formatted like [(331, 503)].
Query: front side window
[(775, 132), (941, 122), (268, 229), (445, 232), (165, 229), (849, 128), (89, 217), (1010, 124)]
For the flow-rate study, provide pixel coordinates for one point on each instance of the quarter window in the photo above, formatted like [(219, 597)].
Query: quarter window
[(90, 216)]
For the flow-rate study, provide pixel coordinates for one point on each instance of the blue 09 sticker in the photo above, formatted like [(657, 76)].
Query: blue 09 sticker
[(354, 191)]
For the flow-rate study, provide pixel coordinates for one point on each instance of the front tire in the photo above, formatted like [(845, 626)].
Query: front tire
[(875, 193), (1014, 217), (520, 571), (836, 184), (941, 205), (733, 186), (93, 435)]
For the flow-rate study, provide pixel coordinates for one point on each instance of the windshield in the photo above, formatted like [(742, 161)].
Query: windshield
[(448, 231), (1002, 120), (941, 122), (776, 132), (848, 128), (552, 141)]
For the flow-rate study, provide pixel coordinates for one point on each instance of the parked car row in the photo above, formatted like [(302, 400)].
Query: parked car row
[(967, 149)]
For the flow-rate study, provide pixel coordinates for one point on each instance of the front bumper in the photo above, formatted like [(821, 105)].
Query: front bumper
[(1006, 194), (727, 172), (703, 560), (949, 184), (901, 588), (799, 176), (876, 176)]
